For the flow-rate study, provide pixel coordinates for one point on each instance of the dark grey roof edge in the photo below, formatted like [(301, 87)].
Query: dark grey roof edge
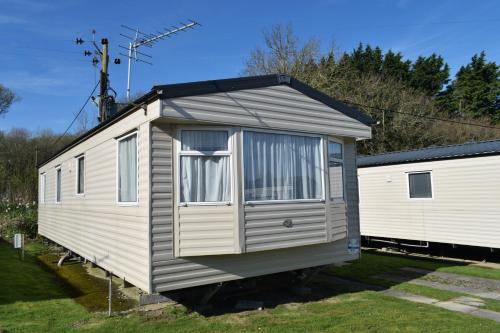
[(250, 82), (433, 153), (126, 111), (222, 85)]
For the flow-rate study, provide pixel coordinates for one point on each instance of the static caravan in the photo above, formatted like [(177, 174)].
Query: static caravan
[(446, 194), (205, 182)]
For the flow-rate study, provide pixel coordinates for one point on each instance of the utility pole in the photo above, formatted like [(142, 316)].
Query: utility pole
[(103, 91), (106, 102)]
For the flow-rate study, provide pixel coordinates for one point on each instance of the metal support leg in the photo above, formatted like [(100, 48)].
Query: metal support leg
[(210, 293), (64, 257)]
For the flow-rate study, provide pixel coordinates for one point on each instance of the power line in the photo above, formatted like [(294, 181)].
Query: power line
[(420, 116), (76, 116)]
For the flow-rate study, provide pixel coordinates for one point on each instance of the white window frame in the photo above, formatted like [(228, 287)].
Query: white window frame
[(181, 153), (267, 202), (339, 141), (408, 185), (43, 186), (56, 199), (77, 173), (118, 140)]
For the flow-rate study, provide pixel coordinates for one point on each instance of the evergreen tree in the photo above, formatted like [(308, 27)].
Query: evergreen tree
[(475, 90), (429, 74), (394, 66), (365, 59)]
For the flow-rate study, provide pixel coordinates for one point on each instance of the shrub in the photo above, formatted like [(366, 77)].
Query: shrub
[(18, 217)]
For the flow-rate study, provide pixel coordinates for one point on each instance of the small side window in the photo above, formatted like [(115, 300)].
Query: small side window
[(336, 170), (80, 174), (420, 185), (42, 188), (58, 184), (127, 169)]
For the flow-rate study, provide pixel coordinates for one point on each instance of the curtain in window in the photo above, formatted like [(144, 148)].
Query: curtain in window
[(204, 140), (127, 169), (281, 167), (205, 179)]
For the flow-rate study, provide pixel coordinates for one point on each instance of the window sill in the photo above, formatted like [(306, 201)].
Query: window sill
[(192, 204), (271, 202), (127, 204), (420, 199)]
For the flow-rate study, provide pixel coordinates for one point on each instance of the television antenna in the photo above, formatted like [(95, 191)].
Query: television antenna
[(141, 39)]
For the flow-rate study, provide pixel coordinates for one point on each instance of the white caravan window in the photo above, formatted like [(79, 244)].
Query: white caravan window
[(205, 174), (282, 167), (80, 174), (58, 184), (43, 183), (420, 185), (127, 169), (336, 169)]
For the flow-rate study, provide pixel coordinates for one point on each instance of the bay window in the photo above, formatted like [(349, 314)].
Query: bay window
[(281, 167), (205, 166)]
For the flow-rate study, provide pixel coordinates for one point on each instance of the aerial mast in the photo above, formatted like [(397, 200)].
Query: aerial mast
[(142, 39)]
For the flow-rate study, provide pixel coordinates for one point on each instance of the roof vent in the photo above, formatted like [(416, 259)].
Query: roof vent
[(283, 78)]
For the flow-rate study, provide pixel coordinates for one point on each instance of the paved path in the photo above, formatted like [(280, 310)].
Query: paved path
[(480, 287), (461, 304)]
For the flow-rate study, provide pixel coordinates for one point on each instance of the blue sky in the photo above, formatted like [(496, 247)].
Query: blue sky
[(40, 61)]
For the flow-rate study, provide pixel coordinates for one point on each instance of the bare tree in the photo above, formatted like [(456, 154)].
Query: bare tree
[(283, 53)]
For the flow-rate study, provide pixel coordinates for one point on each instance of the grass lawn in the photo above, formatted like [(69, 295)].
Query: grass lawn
[(34, 299)]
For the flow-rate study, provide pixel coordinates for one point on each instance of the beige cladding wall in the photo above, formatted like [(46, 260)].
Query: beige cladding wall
[(93, 225), (278, 107), (186, 271), (465, 208)]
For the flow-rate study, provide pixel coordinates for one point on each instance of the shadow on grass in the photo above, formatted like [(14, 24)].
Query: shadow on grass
[(39, 278), (375, 271), (274, 290)]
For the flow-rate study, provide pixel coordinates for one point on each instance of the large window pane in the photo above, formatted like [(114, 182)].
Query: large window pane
[(127, 169), (281, 166), (204, 140), (205, 179), (420, 185)]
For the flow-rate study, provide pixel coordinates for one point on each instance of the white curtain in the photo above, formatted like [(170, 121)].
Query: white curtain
[(205, 179), (204, 140), (281, 167), (127, 169)]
